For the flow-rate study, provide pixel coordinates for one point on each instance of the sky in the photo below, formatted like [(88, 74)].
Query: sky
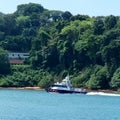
[(83, 7)]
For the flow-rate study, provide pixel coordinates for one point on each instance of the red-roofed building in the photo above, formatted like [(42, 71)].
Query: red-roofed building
[(17, 57), (16, 61)]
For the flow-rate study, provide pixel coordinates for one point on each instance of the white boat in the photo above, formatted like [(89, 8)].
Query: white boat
[(65, 87)]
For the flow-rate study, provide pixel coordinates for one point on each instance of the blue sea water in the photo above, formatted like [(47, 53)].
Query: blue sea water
[(40, 105)]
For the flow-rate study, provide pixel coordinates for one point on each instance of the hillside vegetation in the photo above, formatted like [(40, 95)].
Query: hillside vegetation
[(59, 43)]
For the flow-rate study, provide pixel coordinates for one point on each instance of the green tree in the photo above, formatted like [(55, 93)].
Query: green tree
[(99, 78), (35, 20), (10, 25), (111, 55), (66, 15), (55, 15), (99, 26), (115, 81), (17, 43), (80, 54), (110, 22), (46, 81), (36, 60), (69, 33), (1, 22), (28, 9), (80, 17), (44, 37), (81, 79), (23, 22), (4, 63)]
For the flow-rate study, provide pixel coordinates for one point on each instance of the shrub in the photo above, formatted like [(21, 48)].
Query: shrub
[(115, 81), (99, 79)]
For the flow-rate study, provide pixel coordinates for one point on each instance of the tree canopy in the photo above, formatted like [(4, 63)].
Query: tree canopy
[(88, 48)]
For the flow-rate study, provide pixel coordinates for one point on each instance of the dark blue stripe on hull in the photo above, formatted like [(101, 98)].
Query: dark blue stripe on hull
[(65, 91), (60, 91)]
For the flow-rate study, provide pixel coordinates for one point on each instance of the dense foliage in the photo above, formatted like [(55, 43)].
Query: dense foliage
[(60, 43)]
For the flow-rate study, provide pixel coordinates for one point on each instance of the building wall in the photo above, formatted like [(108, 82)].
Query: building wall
[(17, 58), (18, 55)]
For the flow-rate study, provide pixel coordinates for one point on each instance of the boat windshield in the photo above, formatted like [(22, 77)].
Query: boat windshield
[(63, 86)]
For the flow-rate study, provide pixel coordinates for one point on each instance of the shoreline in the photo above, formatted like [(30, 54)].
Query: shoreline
[(39, 88), (21, 88)]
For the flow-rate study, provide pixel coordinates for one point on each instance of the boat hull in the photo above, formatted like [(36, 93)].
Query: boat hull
[(65, 91)]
